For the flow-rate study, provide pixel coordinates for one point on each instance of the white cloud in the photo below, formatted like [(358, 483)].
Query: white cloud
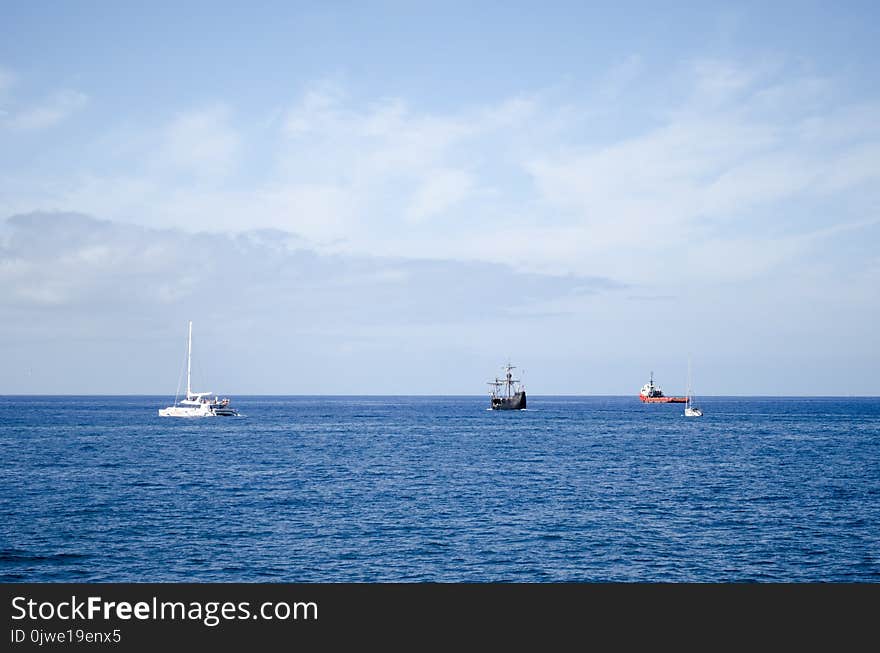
[(365, 145), (718, 83), (727, 164), (318, 111), (27, 116), (442, 190), (856, 165), (200, 142), (718, 162), (50, 113)]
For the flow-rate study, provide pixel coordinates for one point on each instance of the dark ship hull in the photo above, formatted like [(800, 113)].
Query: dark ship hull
[(516, 402)]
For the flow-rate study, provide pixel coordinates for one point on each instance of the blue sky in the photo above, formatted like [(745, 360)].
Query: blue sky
[(397, 197)]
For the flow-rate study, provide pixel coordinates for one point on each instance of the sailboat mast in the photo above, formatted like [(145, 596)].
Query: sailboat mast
[(189, 344), (688, 398)]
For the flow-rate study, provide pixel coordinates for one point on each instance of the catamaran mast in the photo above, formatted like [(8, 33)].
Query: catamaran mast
[(189, 344)]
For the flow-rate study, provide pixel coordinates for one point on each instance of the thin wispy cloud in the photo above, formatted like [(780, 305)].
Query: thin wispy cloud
[(382, 177), (49, 113), (201, 144), (440, 192)]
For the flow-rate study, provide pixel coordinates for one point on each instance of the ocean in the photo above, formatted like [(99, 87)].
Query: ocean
[(440, 489)]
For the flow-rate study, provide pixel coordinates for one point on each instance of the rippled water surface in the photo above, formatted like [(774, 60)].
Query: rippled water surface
[(440, 489)]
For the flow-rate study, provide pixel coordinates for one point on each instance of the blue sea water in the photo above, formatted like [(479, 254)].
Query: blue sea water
[(334, 489)]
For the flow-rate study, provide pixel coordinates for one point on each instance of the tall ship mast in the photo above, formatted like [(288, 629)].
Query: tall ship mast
[(507, 393)]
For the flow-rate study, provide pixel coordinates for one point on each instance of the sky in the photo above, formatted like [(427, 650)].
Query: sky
[(400, 197)]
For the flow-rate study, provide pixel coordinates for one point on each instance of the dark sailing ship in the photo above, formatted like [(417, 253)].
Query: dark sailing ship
[(507, 393)]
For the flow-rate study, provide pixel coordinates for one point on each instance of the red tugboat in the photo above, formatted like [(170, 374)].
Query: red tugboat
[(652, 394)]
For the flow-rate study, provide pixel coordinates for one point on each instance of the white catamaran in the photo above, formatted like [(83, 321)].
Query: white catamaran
[(197, 404), (690, 410)]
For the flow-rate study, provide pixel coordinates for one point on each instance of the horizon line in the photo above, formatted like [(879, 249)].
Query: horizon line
[(702, 396)]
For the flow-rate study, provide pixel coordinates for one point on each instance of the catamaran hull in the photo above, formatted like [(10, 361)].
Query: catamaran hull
[(184, 411), (516, 402), (197, 411)]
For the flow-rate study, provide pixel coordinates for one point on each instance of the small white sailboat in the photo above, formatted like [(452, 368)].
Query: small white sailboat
[(690, 409), (197, 404)]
